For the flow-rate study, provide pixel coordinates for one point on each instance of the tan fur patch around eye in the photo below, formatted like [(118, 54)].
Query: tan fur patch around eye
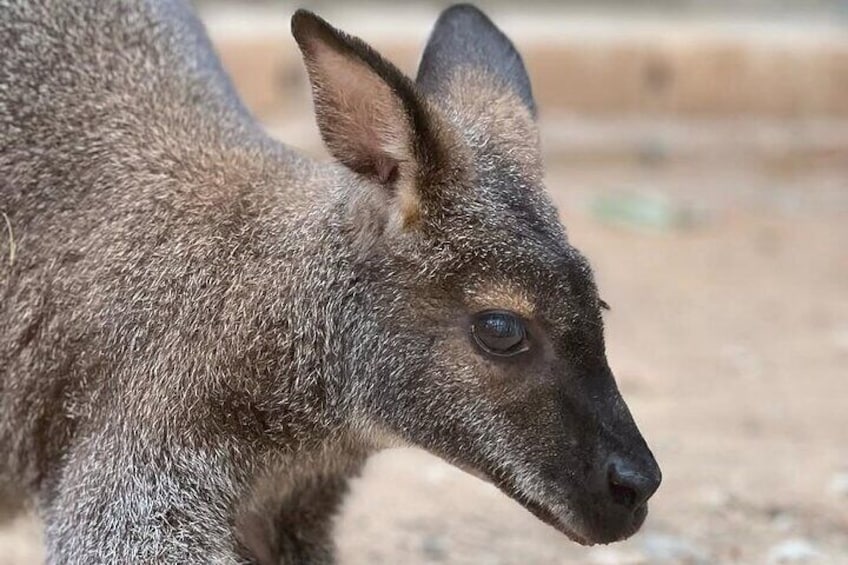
[(501, 296)]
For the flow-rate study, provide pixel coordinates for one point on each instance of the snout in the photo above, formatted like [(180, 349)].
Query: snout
[(624, 483)]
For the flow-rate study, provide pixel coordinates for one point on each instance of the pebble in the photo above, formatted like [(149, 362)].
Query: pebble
[(663, 548), (434, 547), (641, 211), (744, 361), (839, 484), (783, 521), (610, 556), (436, 473), (840, 337), (715, 497), (793, 551)]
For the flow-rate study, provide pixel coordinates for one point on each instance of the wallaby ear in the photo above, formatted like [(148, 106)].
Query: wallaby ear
[(465, 38), (370, 114)]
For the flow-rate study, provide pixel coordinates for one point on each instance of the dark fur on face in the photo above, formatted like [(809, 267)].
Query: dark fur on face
[(204, 334)]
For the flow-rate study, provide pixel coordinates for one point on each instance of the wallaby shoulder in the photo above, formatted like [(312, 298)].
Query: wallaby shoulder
[(146, 209)]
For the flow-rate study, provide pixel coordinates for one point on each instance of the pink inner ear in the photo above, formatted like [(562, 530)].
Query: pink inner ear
[(361, 118)]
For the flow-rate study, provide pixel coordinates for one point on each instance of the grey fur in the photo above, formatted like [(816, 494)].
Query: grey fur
[(203, 334)]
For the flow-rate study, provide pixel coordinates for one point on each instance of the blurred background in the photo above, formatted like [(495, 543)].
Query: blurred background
[(698, 153)]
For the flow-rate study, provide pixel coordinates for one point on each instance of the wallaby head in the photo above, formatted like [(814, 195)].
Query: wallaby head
[(485, 338)]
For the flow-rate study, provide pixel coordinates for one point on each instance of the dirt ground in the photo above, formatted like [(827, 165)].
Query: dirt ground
[(729, 337)]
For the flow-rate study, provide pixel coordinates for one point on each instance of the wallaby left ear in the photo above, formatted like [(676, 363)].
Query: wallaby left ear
[(464, 38), (370, 114)]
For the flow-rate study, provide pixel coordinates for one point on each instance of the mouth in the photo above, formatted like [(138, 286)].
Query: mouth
[(561, 517), (587, 531), (561, 521), (558, 516)]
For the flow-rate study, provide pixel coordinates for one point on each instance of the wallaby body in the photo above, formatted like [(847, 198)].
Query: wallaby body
[(204, 334)]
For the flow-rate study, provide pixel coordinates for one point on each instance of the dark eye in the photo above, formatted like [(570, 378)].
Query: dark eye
[(499, 333)]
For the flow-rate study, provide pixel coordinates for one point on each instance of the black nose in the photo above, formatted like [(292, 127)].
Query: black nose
[(631, 484)]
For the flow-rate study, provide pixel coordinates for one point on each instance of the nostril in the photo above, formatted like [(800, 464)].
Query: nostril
[(622, 494), (627, 486)]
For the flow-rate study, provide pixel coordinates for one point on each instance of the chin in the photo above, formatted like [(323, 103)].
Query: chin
[(592, 524), (601, 528), (580, 516), (615, 529)]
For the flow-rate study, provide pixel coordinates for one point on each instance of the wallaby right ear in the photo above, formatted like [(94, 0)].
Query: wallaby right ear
[(369, 113), (464, 39)]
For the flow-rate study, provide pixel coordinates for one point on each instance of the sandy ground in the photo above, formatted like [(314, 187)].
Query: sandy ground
[(729, 337)]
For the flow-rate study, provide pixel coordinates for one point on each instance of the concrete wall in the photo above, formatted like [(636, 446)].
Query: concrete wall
[(597, 64)]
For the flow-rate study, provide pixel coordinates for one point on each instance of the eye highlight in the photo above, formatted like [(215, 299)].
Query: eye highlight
[(500, 333)]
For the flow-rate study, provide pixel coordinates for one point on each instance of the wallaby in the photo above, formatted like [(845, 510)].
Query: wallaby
[(204, 334)]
